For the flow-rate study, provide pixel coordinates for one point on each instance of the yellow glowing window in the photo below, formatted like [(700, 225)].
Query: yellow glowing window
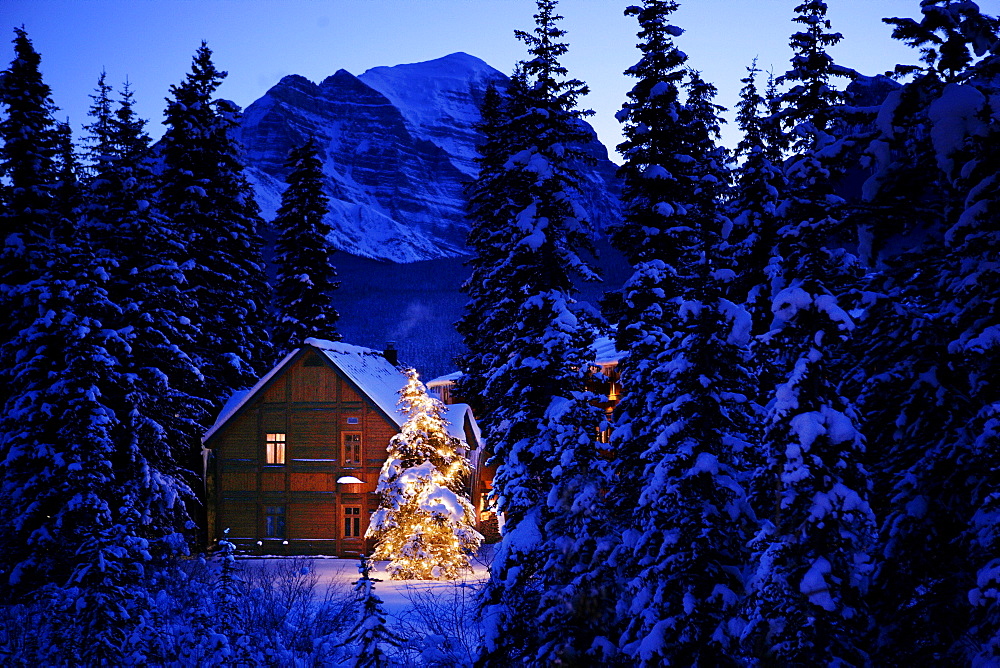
[(275, 448)]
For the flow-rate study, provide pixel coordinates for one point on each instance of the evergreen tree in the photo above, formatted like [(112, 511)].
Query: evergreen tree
[(105, 592), (29, 178), (369, 634), (161, 420), (207, 199), (226, 621), (542, 605), (813, 557), (758, 184), (425, 521), (919, 396), (975, 244), (305, 278), (489, 206), (650, 120), (61, 414), (67, 188), (683, 413), (59, 425), (29, 169), (205, 194), (912, 392)]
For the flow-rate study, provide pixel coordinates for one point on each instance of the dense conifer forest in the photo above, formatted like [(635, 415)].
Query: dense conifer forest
[(804, 465)]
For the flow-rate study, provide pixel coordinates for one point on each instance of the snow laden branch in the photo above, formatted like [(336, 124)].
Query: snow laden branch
[(425, 522)]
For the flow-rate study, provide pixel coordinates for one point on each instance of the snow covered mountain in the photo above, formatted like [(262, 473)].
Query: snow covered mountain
[(398, 143)]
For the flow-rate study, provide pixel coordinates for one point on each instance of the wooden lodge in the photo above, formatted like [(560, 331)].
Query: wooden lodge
[(292, 464)]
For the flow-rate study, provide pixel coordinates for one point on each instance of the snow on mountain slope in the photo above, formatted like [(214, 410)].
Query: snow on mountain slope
[(440, 99), (398, 145)]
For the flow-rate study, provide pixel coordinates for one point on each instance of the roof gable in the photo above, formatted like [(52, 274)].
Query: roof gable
[(240, 398), (367, 370)]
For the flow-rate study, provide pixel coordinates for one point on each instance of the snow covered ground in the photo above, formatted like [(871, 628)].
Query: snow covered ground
[(434, 622), (397, 595)]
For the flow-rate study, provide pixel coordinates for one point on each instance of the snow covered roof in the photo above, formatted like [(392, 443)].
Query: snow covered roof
[(374, 375), (605, 351), (456, 415), (446, 379), (367, 369)]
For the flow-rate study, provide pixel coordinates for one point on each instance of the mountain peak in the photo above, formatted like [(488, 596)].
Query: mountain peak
[(440, 100), (458, 65), (398, 144), (339, 78), (295, 80)]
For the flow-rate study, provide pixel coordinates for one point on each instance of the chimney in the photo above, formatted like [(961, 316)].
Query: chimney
[(390, 353)]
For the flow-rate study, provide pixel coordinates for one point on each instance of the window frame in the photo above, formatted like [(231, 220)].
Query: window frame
[(356, 445), (352, 530), (275, 448), (276, 522)]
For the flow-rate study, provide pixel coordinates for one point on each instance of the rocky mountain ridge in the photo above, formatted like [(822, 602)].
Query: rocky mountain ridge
[(398, 144)]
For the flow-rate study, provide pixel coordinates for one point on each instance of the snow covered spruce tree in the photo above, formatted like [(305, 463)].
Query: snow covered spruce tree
[(921, 398), (306, 277), (205, 194), (957, 475), (975, 244), (29, 178), (813, 559), (161, 420), (425, 521), (542, 605), (67, 193), (62, 376), (369, 635), (758, 182), (61, 425), (28, 165), (684, 410), (652, 137), (489, 205)]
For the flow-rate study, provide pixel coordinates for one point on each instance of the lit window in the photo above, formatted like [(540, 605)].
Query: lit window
[(275, 447), (352, 449), (352, 521), (274, 526)]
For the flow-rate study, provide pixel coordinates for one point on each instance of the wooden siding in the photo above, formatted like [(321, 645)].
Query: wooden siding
[(238, 480), (313, 383), (240, 517), (311, 405), (313, 520), (312, 482), (312, 434), (276, 392)]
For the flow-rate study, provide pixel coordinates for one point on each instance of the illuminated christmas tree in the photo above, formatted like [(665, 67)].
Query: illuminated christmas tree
[(424, 524)]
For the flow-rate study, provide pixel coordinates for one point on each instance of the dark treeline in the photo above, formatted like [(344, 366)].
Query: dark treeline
[(803, 466), (135, 301)]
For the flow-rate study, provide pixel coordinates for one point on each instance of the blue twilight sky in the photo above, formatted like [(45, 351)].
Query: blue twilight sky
[(151, 42)]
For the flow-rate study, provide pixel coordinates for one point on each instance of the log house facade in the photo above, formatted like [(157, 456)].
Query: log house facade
[(292, 464)]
